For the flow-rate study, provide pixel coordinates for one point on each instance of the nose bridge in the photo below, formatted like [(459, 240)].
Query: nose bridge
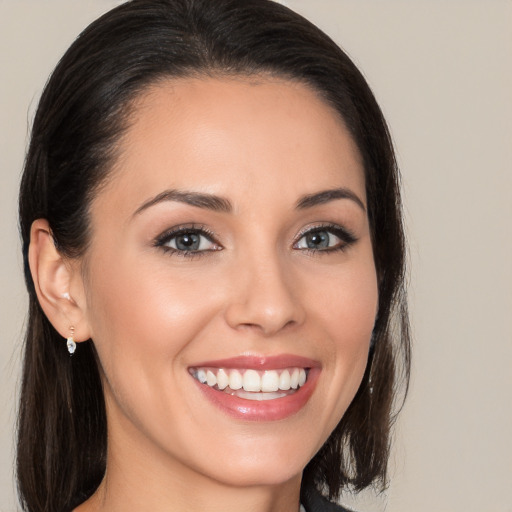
[(263, 293)]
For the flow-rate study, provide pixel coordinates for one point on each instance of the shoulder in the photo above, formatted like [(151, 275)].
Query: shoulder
[(313, 501)]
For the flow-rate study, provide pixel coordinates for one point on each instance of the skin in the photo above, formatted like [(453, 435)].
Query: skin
[(263, 145)]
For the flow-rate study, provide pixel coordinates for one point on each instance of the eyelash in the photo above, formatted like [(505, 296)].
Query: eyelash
[(347, 239), (195, 229)]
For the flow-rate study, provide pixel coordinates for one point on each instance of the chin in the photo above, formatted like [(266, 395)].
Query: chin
[(260, 463), (270, 474)]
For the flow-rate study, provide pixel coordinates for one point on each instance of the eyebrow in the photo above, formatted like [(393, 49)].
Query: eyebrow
[(326, 196), (221, 204), (207, 201)]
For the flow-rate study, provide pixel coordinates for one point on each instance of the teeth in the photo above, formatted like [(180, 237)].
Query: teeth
[(201, 376), (270, 381), (294, 379), (252, 381), (284, 380), (259, 396), (222, 379), (211, 379), (267, 384), (235, 380)]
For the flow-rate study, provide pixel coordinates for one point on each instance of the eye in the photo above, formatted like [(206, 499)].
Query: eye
[(187, 241), (325, 238), (320, 240)]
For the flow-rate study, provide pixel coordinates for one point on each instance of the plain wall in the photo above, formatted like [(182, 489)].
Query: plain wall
[(442, 72)]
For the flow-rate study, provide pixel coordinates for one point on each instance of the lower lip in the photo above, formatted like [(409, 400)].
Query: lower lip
[(266, 410)]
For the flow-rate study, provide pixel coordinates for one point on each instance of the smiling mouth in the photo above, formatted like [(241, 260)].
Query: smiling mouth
[(252, 384)]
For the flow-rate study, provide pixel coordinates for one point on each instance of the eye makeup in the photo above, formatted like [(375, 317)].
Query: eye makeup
[(188, 240), (317, 239), (193, 240)]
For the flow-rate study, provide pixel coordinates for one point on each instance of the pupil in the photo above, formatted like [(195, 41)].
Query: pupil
[(188, 242), (318, 239)]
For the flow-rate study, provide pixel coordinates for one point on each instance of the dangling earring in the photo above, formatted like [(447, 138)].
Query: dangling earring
[(71, 342), (370, 380)]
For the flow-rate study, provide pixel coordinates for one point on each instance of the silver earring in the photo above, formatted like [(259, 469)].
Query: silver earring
[(370, 380), (71, 342)]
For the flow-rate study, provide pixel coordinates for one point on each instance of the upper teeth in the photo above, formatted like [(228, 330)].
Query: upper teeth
[(252, 380)]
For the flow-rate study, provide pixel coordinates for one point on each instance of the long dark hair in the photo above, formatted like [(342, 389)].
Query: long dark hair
[(84, 109)]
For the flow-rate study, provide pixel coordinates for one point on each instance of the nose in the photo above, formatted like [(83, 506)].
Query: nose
[(265, 297)]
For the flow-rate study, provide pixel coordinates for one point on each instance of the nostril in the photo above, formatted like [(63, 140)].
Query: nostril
[(266, 328), (264, 298)]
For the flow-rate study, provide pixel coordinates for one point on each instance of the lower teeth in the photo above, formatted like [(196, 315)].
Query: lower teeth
[(248, 395)]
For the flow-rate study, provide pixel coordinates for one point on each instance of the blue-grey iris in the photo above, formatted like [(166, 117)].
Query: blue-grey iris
[(317, 239), (188, 242)]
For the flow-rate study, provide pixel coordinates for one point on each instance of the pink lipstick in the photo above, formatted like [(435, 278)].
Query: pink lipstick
[(258, 388)]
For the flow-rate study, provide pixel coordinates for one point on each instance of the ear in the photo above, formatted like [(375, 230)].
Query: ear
[(53, 277)]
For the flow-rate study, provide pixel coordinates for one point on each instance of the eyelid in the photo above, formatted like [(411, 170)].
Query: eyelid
[(346, 236)]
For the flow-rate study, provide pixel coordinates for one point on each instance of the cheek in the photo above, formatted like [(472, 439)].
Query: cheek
[(345, 308), (140, 311), (357, 309), (144, 322)]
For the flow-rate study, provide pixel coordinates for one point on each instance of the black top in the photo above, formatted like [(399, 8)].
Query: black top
[(313, 501)]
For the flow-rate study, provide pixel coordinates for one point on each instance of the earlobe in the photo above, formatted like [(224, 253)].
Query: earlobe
[(52, 275)]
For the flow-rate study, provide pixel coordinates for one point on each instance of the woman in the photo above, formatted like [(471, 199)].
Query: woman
[(211, 228)]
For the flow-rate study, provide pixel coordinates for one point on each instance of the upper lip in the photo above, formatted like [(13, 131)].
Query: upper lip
[(260, 362)]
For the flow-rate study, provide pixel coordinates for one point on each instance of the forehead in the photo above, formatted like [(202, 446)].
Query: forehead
[(235, 136)]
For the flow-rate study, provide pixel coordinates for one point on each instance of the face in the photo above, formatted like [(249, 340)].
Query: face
[(230, 284)]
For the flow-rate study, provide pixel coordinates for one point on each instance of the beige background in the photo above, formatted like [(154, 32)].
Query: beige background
[(442, 71)]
